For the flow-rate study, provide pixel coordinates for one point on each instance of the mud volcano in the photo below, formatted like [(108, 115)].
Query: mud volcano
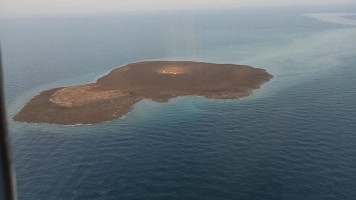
[(115, 94)]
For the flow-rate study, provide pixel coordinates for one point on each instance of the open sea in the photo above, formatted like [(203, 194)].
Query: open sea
[(295, 138)]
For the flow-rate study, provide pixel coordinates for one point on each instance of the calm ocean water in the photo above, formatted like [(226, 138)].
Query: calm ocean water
[(293, 139)]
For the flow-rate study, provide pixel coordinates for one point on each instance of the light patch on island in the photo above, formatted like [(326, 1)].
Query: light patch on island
[(171, 70), (82, 95)]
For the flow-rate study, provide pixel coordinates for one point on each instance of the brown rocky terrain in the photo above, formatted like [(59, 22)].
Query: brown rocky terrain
[(115, 94)]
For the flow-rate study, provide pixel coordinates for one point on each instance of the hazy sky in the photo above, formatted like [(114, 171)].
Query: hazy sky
[(11, 7)]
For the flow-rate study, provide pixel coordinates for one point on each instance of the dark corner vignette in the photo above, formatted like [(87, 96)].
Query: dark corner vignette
[(7, 173)]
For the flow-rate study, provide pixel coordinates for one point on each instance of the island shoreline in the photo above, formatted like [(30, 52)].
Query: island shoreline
[(114, 95)]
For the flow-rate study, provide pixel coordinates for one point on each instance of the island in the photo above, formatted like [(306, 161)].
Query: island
[(115, 94)]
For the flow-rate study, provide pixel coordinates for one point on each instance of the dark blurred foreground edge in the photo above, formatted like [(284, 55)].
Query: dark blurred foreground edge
[(7, 176)]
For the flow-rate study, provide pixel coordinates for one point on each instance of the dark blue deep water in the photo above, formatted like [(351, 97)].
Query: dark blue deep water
[(295, 138)]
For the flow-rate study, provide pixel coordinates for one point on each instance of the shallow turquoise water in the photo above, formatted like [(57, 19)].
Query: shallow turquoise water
[(294, 138)]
